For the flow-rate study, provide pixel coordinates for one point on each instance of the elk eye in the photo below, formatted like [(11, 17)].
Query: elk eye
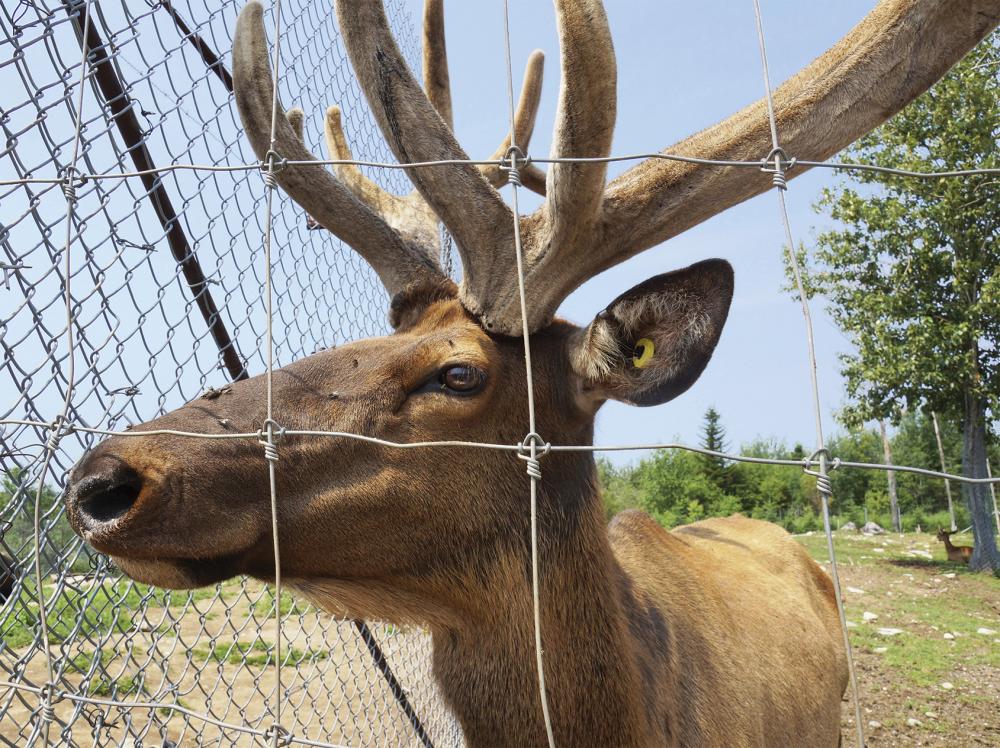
[(463, 380)]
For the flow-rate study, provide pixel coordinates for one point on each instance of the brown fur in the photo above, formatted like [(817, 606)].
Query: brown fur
[(720, 633), (960, 554)]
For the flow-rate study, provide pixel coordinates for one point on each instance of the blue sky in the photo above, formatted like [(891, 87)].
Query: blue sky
[(681, 67)]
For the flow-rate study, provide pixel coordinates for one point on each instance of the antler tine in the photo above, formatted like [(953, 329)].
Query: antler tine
[(558, 237), (898, 51), (524, 127), (397, 262), (585, 119), (296, 118), (408, 214), (437, 82), (892, 56), (475, 214)]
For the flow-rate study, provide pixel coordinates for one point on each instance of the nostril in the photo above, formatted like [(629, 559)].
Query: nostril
[(104, 498)]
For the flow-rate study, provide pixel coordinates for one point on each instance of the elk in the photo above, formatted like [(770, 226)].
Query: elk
[(959, 554), (723, 632)]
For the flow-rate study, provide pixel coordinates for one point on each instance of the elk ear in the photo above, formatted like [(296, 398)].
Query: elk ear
[(652, 342)]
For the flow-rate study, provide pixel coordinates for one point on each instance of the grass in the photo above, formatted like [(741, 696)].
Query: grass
[(106, 608), (102, 682), (256, 654), (264, 605), (925, 597)]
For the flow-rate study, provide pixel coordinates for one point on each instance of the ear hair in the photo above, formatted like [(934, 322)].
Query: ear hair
[(606, 344), (406, 305), (652, 342), (594, 351)]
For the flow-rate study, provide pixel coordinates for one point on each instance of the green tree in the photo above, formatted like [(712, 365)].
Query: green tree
[(60, 545), (713, 437), (618, 487), (913, 275)]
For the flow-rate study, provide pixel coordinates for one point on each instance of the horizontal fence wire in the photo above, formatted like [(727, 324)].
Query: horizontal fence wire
[(789, 166), (520, 448), (193, 663)]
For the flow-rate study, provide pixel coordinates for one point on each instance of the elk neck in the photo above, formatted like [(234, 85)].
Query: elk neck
[(593, 631)]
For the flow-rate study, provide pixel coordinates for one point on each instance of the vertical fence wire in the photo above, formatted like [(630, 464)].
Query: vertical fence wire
[(822, 477), (297, 691), (944, 469), (46, 714), (270, 449), (532, 441)]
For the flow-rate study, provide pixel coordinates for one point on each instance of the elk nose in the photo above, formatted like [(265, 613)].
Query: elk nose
[(105, 494)]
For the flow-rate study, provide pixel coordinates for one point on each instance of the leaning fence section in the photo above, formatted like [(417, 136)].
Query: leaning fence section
[(166, 284)]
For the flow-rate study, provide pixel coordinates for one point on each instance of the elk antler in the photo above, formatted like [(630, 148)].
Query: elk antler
[(893, 55), (397, 235), (438, 86), (397, 261), (898, 51)]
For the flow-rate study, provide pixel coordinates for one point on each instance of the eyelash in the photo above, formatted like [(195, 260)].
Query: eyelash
[(436, 383)]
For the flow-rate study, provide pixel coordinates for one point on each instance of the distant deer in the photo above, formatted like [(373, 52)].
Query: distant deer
[(720, 633), (960, 554)]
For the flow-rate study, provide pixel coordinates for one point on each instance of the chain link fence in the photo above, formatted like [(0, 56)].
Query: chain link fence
[(166, 306)]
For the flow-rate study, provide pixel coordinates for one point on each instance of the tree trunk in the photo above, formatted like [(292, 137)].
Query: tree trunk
[(897, 524), (944, 469), (977, 496), (993, 493)]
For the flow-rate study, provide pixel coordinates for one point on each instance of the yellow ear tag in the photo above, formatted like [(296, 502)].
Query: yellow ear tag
[(643, 353)]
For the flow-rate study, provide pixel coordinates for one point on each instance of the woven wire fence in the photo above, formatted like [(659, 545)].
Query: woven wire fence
[(130, 143), (166, 288)]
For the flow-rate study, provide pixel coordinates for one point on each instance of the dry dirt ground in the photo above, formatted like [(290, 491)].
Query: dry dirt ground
[(215, 656), (926, 640)]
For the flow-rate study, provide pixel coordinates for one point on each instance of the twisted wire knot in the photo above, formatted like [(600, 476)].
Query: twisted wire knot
[(534, 467), (776, 163), (46, 711), (270, 166), (268, 436), (55, 434), (509, 165), (527, 451), (71, 178), (277, 735), (823, 483)]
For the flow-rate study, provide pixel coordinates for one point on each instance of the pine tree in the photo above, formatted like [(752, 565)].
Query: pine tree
[(713, 437)]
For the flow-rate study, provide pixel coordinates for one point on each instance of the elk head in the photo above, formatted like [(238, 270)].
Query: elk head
[(406, 533)]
